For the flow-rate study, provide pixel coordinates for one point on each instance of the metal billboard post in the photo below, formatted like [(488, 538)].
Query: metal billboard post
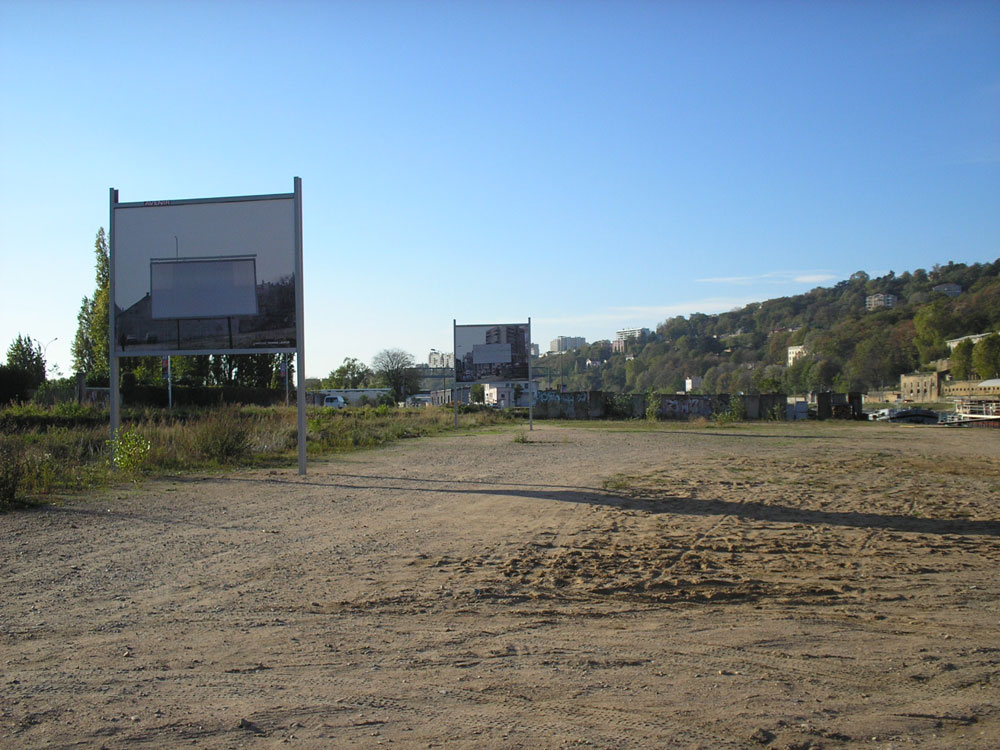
[(116, 417), (300, 375), (454, 364), (531, 398)]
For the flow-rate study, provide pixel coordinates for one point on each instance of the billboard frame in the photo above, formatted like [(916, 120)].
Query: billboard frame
[(454, 330), (298, 349)]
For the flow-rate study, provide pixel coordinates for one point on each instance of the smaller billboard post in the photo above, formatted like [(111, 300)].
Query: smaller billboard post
[(498, 352)]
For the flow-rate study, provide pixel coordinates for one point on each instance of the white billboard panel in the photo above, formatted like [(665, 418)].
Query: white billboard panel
[(205, 276), (203, 287), (492, 353)]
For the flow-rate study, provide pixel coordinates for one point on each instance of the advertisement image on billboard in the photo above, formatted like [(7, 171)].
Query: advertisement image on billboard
[(205, 276), (492, 353)]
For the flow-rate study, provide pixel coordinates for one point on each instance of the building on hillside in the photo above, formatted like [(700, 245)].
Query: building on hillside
[(875, 301), (566, 343), (952, 290), (922, 387), (625, 335), (692, 382), (974, 338), (794, 352)]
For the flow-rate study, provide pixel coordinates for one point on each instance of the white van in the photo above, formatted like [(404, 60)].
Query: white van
[(334, 402)]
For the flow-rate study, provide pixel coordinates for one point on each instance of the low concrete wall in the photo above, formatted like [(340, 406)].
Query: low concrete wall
[(606, 405)]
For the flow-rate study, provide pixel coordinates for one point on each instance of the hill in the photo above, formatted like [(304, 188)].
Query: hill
[(846, 345)]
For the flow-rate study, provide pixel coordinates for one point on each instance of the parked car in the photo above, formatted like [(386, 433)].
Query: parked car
[(334, 402)]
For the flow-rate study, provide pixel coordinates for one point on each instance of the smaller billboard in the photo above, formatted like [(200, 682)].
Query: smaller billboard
[(492, 353)]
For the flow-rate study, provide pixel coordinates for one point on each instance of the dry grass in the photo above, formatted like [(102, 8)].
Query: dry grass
[(52, 451)]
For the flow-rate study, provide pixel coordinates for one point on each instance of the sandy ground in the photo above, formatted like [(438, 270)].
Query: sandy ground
[(781, 586)]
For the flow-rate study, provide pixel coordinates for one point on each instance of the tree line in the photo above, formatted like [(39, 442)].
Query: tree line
[(846, 347)]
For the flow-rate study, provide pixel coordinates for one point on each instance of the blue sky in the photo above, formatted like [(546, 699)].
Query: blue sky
[(590, 165)]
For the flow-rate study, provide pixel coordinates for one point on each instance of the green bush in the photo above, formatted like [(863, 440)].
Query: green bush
[(652, 406), (737, 411), (129, 450)]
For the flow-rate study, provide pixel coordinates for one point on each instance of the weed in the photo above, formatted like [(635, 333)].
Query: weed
[(65, 447), (617, 483), (129, 450), (223, 437), (521, 437), (11, 472)]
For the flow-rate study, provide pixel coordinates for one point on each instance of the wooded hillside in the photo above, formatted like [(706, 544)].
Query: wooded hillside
[(847, 347)]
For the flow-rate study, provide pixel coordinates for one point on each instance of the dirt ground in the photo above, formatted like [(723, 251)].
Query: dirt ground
[(782, 585)]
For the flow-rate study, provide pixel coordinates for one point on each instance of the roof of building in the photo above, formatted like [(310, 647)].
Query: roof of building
[(991, 383)]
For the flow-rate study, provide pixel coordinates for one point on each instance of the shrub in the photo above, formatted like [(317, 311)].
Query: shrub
[(129, 450), (652, 406), (223, 436), (737, 411)]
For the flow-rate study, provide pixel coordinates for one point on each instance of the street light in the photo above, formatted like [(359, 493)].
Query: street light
[(44, 350)]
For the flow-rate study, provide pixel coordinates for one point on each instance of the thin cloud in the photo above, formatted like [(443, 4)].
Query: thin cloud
[(648, 315), (774, 277)]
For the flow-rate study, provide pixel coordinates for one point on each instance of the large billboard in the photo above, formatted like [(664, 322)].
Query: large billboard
[(492, 353), (205, 276)]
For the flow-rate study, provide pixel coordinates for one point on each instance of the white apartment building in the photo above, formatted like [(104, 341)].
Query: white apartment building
[(625, 335), (566, 343), (875, 301), (794, 352)]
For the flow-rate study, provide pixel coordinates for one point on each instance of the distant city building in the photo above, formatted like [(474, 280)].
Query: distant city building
[(566, 343), (794, 352), (625, 335), (441, 359), (875, 301), (534, 350), (952, 290)]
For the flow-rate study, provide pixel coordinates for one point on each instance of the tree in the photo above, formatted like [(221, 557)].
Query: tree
[(26, 355), (934, 323), (190, 370), (477, 393), (986, 357), (248, 370), (961, 361), (393, 368), (91, 348), (351, 374), (15, 385)]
